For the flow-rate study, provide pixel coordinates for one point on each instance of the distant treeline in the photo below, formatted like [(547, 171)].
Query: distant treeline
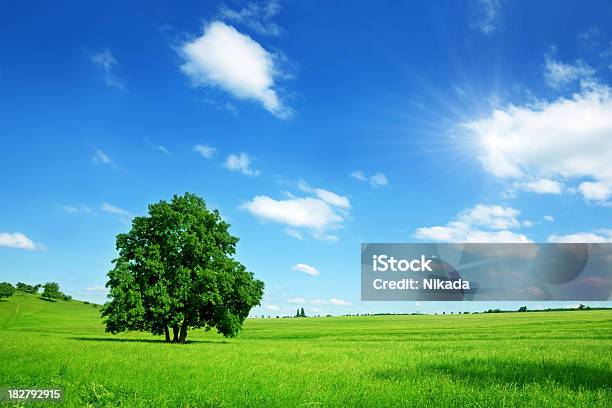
[(51, 290), (300, 312)]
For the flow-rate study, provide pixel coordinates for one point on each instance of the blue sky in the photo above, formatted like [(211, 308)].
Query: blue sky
[(311, 126)]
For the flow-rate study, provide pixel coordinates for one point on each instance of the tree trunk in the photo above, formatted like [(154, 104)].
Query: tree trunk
[(175, 331), (183, 331), (167, 332)]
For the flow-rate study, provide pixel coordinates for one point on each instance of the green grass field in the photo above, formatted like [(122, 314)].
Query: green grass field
[(492, 360)]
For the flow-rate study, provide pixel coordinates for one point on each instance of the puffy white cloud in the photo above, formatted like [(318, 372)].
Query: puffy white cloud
[(466, 228), (107, 62), (242, 163), (307, 269), (296, 301), (375, 180), (548, 218), (317, 301), (255, 16), (557, 74), (17, 240), (273, 308), (602, 236), (563, 140), (225, 58), (205, 150), (339, 302), (307, 212), (319, 214)]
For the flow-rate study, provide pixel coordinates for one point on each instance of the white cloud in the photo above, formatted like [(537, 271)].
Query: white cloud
[(307, 269), (375, 180), (102, 158), (486, 15), (490, 216), (602, 236), (317, 301), (596, 191), (548, 218), (563, 140), (205, 150), (241, 163), (332, 198), (319, 213), (77, 209), (540, 186), (111, 209), (18, 240), (107, 62), (255, 16), (296, 301), (558, 74), (225, 58), (359, 175), (302, 212), (339, 302), (467, 226), (273, 308), (378, 179)]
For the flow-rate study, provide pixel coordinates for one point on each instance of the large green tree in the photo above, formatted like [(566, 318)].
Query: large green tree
[(176, 271)]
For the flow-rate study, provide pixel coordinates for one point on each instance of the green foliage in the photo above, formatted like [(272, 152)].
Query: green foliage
[(176, 271), (522, 309), (6, 290), (51, 290), (24, 287)]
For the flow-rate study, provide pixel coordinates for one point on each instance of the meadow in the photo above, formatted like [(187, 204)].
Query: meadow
[(484, 360)]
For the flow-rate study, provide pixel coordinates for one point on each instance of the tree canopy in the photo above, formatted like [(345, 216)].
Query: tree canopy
[(6, 290), (176, 271), (51, 290), (24, 287)]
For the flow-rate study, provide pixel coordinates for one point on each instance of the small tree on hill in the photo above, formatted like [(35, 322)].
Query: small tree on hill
[(176, 270), (51, 290), (6, 290)]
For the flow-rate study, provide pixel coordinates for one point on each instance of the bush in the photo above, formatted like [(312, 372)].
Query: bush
[(6, 290)]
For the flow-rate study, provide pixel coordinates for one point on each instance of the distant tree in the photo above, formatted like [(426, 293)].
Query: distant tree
[(6, 290), (176, 270), (24, 287), (297, 312), (51, 290), (582, 307), (522, 309), (302, 314)]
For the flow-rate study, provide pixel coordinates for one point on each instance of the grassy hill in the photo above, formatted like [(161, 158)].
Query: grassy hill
[(510, 359)]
